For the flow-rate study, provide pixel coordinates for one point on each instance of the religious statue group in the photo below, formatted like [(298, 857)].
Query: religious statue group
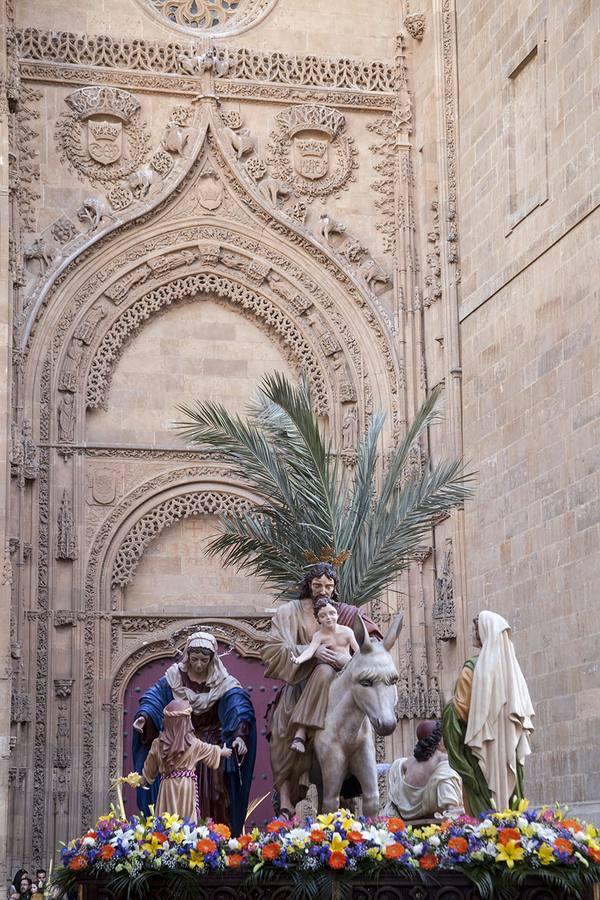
[(194, 741)]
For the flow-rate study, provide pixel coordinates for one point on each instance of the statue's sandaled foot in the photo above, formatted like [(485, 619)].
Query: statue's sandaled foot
[(298, 744)]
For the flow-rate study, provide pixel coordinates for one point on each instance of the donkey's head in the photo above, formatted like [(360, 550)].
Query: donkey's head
[(373, 676)]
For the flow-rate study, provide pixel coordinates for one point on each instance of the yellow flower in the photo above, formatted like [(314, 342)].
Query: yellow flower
[(337, 843), (196, 860), (546, 854), (523, 805), (591, 831), (170, 819), (490, 831), (428, 831), (508, 853), (327, 819), (374, 853)]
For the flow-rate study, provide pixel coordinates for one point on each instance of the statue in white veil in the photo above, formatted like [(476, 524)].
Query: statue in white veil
[(489, 719)]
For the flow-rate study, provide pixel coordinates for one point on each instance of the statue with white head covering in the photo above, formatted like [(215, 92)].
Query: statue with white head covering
[(222, 713), (487, 723)]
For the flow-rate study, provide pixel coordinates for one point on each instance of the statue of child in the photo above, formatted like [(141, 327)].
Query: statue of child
[(338, 638), (174, 755)]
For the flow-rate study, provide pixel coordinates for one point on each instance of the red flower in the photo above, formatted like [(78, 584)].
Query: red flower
[(594, 855), (509, 834), (355, 837), (91, 834), (78, 863), (244, 840), (394, 851), (337, 859), (395, 825), (206, 846), (159, 836), (235, 860), (317, 835), (429, 861), (458, 844), (106, 852), (271, 851), (563, 846), (275, 826), (222, 830)]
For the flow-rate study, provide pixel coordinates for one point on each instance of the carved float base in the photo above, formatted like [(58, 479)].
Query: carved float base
[(446, 886)]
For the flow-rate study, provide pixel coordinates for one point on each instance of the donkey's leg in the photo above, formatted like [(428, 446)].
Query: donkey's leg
[(363, 764), (333, 772)]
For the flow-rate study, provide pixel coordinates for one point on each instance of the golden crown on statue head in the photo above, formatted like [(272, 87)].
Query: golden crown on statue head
[(326, 555)]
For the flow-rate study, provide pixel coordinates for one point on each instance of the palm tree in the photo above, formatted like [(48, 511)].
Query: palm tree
[(311, 505)]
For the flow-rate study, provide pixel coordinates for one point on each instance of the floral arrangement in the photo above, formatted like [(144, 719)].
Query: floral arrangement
[(497, 851)]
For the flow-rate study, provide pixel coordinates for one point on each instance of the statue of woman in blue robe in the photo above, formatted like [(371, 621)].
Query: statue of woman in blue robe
[(222, 713)]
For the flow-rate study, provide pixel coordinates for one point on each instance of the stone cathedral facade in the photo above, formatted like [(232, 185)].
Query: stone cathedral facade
[(386, 196)]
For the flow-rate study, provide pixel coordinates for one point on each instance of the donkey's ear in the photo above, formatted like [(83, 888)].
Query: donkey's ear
[(360, 633), (391, 635)]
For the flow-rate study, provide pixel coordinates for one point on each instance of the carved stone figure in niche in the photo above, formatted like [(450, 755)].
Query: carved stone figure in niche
[(103, 140), (30, 453), (310, 150), (350, 429), (93, 210), (424, 784), (66, 418), (85, 332), (488, 722), (162, 265), (222, 713), (66, 540), (119, 290), (328, 227), (233, 261), (240, 138), (282, 287), (42, 254), (69, 375)]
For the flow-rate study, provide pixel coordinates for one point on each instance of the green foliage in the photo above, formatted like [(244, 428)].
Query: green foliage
[(309, 500)]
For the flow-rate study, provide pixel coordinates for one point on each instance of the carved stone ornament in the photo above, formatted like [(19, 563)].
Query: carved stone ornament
[(102, 484), (444, 608), (103, 140), (199, 503), (66, 540), (310, 151), (213, 17), (415, 25)]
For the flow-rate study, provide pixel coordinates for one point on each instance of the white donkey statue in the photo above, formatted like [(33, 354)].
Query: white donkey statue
[(362, 700)]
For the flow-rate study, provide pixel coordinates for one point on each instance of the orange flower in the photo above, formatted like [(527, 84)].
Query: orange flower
[(244, 840), (223, 831), (206, 846), (444, 824), (78, 863), (395, 825), (594, 855), (337, 859), (509, 834), (563, 846), (275, 826), (235, 860), (91, 834), (160, 837), (458, 844), (429, 861), (573, 824), (106, 852), (317, 835), (394, 851), (355, 837), (271, 851)]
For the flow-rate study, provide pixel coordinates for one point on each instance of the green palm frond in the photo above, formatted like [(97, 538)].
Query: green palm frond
[(307, 498)]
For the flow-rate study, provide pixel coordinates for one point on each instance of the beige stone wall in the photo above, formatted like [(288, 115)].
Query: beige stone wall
[(531, 365)]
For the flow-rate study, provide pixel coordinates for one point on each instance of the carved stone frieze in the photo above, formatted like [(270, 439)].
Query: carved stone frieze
[(245, 65), (199, 503), (24, 169), (418, 699), (188, 286), (66, 537), (310, 151), (103, 140), (433, 277)]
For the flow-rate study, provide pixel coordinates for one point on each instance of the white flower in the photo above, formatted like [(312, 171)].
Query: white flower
[(88, 841), (490, 849), (380, 836), (296, 835), (233, 844), (487, 823), (202, 831), (435, 841), (418, 849)]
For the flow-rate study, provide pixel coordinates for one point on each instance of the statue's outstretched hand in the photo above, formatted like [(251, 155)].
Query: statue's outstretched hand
[(139, 723), (226, 752), (240, 748)]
